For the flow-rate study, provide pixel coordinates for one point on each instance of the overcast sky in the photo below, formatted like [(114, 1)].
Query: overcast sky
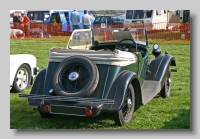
[(11, 11)]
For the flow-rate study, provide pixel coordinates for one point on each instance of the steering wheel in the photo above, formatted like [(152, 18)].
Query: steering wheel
[(118, 46)]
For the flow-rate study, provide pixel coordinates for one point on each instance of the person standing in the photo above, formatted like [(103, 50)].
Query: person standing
[(21, 24), (26, 24), (75, 20), (15, 21), (86, 20)]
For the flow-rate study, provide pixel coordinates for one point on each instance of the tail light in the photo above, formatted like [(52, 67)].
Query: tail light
[(88, 112), (46, 108)]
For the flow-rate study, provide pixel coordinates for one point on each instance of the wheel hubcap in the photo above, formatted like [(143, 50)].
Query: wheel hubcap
[(129, 103), (169, 80), (73, 76), (22, 78)]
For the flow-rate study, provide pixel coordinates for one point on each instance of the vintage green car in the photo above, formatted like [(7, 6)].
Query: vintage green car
[(102, 70)]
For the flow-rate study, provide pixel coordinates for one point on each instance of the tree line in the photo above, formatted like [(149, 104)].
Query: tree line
[(107, 12)]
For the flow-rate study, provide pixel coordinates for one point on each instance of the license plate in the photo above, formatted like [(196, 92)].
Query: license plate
[(67, 110)]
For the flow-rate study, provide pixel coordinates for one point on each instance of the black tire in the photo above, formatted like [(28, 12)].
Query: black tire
[(125, 114), (85, 81), (166, 89), (22, 79), (43, 114)]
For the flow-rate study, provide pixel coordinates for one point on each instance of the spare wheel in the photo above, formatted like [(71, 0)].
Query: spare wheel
[(76, 76)]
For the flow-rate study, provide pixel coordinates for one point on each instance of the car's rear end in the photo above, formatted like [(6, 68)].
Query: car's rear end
[(77, 81), (80, 81)]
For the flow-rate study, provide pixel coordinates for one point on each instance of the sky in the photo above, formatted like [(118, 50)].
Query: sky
[(11, 11)]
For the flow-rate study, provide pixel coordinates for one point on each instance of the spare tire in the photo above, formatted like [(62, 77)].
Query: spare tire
[(76, 76)]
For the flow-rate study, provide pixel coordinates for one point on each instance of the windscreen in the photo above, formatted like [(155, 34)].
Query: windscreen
[(82, 38)]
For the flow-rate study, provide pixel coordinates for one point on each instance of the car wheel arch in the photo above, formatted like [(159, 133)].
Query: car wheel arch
[(160, 64), (138, 93), (31, 69), (118, 90)]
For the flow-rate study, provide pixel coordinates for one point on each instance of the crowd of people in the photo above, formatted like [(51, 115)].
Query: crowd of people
[(21, 23), (21, 26)]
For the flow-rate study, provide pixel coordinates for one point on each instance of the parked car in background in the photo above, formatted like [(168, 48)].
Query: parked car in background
[(23, 69), (108, 21), (102, 73)]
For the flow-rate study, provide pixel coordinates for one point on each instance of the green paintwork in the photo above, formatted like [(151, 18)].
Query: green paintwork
[(107, 75)]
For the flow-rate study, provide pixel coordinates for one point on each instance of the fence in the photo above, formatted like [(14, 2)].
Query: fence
[(171, 31)]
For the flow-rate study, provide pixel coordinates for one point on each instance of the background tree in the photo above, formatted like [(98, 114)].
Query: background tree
[(107, 12)]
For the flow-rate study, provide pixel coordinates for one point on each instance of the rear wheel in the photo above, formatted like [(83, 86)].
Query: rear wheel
[(125, 114), (165, 91)]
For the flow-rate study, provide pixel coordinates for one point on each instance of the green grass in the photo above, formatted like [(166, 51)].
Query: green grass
[(159, 113)]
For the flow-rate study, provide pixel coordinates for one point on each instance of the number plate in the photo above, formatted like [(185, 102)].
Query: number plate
[(67, 110)]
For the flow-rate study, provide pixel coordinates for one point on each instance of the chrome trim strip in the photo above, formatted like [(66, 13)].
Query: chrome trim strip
[(69, 99)]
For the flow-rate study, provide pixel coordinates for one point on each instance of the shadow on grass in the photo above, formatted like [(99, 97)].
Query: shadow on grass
[(102, 121), (182, 121)]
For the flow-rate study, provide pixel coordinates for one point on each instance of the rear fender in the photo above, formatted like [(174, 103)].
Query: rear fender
[(158, 68), (118, 90), (38, 87)]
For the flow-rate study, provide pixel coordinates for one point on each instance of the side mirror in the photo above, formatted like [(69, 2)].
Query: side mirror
[(156, 50)]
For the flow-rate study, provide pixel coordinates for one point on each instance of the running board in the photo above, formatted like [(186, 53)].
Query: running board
[(67, 99), (150, 89)]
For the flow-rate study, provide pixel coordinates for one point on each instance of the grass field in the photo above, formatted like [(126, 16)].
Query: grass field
[(159, 113)]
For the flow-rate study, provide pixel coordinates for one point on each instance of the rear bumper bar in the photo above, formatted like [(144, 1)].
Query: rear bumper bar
[(68, 105)]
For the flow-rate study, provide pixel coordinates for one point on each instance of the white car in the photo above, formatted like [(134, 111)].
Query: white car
[(22, 71)]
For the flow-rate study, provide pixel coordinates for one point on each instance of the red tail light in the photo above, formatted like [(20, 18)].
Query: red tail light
[(88, 112), (46, 108)]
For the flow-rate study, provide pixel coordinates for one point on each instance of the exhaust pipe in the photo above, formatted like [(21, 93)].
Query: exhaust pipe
[(35, 109)]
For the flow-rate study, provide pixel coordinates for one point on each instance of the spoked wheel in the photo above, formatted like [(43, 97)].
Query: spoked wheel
[(76, 76), (22, 78), (73, 72), (125, 114), (165, 91)]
